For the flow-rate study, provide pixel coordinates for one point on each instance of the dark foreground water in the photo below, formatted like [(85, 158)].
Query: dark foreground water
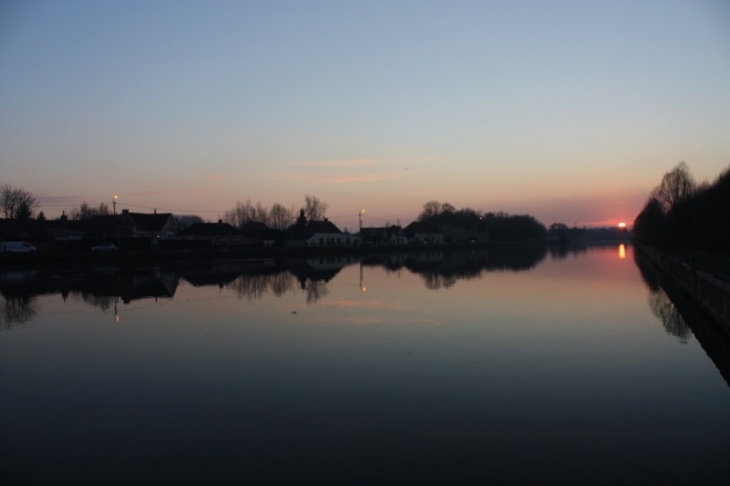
[(511, 366)]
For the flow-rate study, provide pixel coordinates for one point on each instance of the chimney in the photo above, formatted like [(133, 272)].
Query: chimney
[(155, 211)]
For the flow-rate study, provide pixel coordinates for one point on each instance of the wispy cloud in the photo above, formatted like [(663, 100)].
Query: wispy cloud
[(351, 171), (213, 177), (222, 177), (322, 179), (147, 193), (361, 162), (55, 200)]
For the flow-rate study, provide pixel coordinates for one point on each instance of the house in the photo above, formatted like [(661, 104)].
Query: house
[(385, 236), (159, 226), (476, 233), (419, 233), (218, 234), (324, 233), (263, 235), (395, 237), (135, 225)]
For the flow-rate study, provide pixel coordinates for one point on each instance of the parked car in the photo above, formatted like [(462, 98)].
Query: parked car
[(104, 247), (16, 247)]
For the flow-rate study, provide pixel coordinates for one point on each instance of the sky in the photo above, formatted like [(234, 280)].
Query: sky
[(570, 111)]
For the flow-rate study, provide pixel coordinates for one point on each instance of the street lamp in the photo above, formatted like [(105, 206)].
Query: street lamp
[(359, 215), (114, 204)]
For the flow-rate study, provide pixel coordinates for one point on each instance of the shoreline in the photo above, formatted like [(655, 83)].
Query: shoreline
[(709, 289), (249, 253)]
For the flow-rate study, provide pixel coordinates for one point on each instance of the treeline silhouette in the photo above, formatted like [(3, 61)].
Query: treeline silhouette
[(502, 226), (681, 215)]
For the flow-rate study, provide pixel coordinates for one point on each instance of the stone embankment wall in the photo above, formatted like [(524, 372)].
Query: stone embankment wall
[(710, 292)]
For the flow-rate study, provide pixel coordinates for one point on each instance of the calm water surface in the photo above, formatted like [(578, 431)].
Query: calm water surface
[(512, 366)]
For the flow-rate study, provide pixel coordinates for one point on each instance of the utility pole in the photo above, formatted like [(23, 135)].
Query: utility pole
[(359, 215)]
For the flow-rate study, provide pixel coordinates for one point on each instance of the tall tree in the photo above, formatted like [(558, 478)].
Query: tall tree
[(261, 214), (85, 212), (677, 185), (430, 210), (314, 208), (240, 214), (16, 203), (281, 217)]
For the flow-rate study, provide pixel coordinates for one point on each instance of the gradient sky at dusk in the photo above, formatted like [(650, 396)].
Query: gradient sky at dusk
[(568, 110)]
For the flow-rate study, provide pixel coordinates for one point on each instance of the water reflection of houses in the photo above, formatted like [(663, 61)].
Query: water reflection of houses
[(253, 279), (132, 230), (98, 286), (314, 274)]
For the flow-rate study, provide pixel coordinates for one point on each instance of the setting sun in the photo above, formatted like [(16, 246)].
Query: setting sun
[(622, 224)]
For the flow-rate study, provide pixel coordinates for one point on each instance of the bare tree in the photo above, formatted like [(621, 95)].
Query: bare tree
[(430, 209), (261, 214), (677, 185), (314, 208), (16, 203), (241, 214), (84, 211), (281, 217), (17, 311), (447, 208)]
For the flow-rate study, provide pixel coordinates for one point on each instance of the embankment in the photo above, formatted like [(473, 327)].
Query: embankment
[(709, 291)]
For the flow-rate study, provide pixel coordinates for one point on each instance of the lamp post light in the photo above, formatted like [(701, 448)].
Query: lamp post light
[(114, 204), (359, 215)]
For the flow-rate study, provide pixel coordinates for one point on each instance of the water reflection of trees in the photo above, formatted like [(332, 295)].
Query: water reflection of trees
[(659, 302), (663, 307), (442, 269), (17, 311), (102, 302), (680, 315), (255, 286), (315, 290), (254, 280), (561, 251), (436, 281), (104, 287)]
